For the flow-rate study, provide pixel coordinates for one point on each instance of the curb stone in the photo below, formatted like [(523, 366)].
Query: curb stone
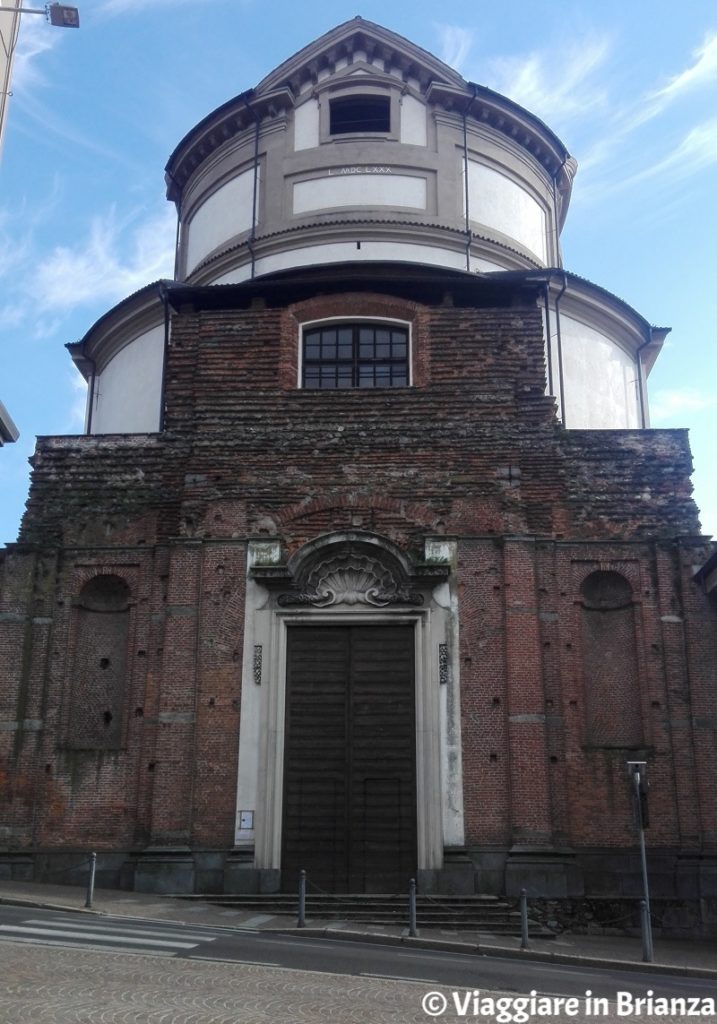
[(446, 946)]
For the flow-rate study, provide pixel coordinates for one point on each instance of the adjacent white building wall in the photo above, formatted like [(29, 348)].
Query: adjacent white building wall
[(413, 122), (359, 189), (225, 213), (600, 378), (499, 202), (127, 393), (9, 28), (306, 125)]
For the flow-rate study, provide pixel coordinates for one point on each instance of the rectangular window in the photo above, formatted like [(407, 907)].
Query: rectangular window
[(360, 115), (355, 356)]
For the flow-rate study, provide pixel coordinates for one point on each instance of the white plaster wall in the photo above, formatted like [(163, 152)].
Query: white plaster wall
[(224, 214), (128, 391), (498, 202), (413, 122), (306, 125), (344, 252), (9, 24), (360, 189), (600, 379), (486, 266)]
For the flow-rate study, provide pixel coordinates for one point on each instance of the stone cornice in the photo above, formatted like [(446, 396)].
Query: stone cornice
[(390, 55)]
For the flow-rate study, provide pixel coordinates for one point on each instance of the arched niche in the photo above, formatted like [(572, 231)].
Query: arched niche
[(609, 656), (101, 626)]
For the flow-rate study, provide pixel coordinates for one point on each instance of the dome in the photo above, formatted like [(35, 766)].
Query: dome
[(364, 147), (365, 150)]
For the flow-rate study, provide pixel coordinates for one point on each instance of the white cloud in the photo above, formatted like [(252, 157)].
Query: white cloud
[(684, 159), (560, 84), (702, 71), (674, 404), (697, 150), (58, 130), (569, 87), (36, 37), (12, 251), (120, 6), (455, 44), (11, 315), (113, 7), (111, 263), (18, 226), (699, 74)]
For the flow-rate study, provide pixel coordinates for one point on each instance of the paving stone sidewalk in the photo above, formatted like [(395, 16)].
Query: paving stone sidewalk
[(698, 957), (71, 986)]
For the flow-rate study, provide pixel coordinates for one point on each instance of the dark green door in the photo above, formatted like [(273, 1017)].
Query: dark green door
[(350, 758)]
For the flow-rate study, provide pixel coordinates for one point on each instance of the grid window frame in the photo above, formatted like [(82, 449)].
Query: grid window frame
[(356, 355)]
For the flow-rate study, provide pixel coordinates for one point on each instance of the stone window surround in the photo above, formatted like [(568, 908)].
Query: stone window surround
[(369, 83)]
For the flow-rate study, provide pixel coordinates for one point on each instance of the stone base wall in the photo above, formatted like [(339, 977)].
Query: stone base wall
[(683, 895)]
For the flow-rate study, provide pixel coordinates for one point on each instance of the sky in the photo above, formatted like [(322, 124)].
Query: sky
[(630, 88)]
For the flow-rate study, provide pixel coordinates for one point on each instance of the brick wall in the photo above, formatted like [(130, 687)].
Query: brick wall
[(471, 451)]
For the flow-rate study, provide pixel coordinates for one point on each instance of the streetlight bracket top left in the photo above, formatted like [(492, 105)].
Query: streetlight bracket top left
[(63, 16)]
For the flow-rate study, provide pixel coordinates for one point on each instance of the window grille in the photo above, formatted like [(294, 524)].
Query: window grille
[(360, 114), (341, 356)]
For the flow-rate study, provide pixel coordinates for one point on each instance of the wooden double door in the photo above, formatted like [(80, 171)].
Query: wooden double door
[(349, 814)]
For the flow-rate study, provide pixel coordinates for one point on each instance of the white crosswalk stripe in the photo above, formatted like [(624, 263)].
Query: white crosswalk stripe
[(109, 935), (118, 928), (19, 940)]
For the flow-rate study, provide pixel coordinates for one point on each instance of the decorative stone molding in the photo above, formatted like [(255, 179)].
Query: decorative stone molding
[(443, 664), (351, 577), (257, 663), (356, 568)]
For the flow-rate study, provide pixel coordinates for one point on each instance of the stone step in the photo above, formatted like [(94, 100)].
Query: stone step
[(486, 913)]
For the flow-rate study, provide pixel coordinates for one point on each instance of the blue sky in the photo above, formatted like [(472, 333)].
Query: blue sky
[(630, 88)]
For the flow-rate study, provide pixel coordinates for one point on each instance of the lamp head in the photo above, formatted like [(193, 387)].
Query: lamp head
[(62, 16)]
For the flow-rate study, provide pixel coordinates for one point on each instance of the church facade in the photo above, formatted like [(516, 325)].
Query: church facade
[(367, 563)]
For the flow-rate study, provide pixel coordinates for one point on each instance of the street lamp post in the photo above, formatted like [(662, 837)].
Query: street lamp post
[(57, 14)]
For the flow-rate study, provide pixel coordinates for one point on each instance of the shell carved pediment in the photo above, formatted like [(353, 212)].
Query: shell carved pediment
[(351, 578)]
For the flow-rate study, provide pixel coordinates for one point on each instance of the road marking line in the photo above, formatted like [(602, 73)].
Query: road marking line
[(398, 977), (95, 937), (242, 963), (118, 929), (17, 939), (438, 954)]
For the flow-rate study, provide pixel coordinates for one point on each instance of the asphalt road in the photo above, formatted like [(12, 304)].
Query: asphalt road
[(32, 927)]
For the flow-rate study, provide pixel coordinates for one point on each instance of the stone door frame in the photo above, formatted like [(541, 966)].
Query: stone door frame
[(439, 790)]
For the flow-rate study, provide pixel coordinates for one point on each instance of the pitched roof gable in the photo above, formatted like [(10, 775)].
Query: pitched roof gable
[(381, 47)]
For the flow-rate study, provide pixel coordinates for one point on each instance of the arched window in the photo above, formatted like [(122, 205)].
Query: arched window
[(610, 661), (99, 668)]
